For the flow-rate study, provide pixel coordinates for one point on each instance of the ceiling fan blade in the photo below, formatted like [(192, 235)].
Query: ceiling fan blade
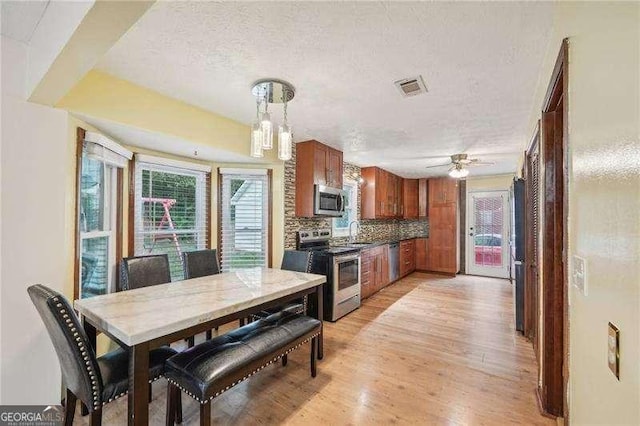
[(481, 163), (437, 165)]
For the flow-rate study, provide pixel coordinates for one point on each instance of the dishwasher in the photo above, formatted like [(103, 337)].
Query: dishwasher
[(394, 261)]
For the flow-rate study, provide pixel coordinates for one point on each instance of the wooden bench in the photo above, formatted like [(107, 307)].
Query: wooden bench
[(211, 368)]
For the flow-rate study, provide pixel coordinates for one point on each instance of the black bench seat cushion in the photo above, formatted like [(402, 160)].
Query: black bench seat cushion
[(114, 367), (199, 369)]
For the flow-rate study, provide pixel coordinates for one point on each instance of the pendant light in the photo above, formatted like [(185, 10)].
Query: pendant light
[(266, 128), (271, 91), (256, 134), (284, 137)]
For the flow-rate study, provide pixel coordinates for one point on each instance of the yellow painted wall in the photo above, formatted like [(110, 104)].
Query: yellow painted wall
[(604, 201), (103, 96), (490, 183)]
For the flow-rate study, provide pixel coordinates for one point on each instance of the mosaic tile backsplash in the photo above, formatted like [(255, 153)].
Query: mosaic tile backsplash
[(370, 230)]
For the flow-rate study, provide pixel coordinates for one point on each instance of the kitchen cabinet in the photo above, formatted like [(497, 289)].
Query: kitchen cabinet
[(410, 198), (374, 272), (316, 164), (381, 194), (407, 257), (442, 246), (423, 201), (421, 254)]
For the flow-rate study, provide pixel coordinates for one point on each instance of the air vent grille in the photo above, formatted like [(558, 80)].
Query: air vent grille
[(411, 86)]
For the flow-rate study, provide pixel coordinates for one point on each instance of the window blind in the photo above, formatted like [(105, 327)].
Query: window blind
[(171, 215), (244, 216)]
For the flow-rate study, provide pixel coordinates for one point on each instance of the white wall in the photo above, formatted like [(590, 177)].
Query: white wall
[(33, 170), (604, 202)]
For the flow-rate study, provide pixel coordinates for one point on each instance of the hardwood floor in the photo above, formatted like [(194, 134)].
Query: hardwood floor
[(425, 350)]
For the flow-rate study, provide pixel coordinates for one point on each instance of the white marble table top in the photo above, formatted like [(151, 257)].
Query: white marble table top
[(140, 315)]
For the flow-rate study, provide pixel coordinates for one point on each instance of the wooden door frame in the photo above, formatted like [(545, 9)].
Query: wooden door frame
[(553, 396)]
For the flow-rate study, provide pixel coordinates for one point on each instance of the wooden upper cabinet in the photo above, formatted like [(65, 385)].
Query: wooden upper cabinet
[(423, 198), (443, 192), (381, 194), (410, 198), (316, 164)]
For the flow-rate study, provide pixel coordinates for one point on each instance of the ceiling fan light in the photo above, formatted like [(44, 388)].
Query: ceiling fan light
[(459, 172), (284, 142)]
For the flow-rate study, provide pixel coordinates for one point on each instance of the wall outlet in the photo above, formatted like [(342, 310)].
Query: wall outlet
[(613, 350), (579, 274)]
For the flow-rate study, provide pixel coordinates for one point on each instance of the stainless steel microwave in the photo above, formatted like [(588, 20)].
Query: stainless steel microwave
[(328, 201)]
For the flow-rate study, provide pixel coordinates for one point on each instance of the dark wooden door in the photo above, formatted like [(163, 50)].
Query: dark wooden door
[(532, 226)]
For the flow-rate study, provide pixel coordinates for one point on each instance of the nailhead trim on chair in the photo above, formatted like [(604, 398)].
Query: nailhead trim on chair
[(245, 377), (83, 350)]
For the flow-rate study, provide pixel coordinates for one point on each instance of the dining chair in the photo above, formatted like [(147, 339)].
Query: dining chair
[(144, 271), (200, 263), (95, 381)]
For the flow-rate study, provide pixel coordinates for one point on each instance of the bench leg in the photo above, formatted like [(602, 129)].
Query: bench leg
[(178, 398), (314, 341), (241, 322), (171, 405), (96, 417), (284, 360), (205, 414), (191, 341), (209, 334)]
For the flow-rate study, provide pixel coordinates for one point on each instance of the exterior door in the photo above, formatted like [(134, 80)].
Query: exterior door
[(488, 234)]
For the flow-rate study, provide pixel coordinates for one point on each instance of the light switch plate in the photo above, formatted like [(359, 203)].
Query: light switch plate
[(579, 274), (613, 350)]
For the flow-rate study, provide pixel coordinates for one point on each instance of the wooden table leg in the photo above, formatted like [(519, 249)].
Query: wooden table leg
[(320, 315), (139, 384)]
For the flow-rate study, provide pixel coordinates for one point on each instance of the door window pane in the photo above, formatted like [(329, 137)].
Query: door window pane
[(488, 218)]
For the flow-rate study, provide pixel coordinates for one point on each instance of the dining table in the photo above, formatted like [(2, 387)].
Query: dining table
[(146, 318)]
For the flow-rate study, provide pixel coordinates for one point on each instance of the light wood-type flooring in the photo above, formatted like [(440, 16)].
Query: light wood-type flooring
[(425, 350)]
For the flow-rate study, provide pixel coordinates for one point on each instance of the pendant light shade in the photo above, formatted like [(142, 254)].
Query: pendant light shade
[(256, 140), (284, 142), (267, 131)]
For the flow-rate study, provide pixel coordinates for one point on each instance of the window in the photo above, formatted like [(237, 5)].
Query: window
[(341, 224), (171, 209), (244, 215), (99, 229)]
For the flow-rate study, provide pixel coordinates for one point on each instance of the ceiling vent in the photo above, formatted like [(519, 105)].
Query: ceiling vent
[(411, 86)]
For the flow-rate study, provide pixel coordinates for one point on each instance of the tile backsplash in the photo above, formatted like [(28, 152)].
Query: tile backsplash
[(370, 230)]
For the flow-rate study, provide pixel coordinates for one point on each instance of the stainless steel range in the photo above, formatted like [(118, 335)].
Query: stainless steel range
[(341, 266)]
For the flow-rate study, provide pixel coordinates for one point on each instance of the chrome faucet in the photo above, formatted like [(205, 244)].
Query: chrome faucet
[(352, 237)]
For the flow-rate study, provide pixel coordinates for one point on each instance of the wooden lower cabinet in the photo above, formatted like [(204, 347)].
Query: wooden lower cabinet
[(407, 257), (421, 254), (374, 272)]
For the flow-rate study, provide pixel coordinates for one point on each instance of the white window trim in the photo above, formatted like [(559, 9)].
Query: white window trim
[(107, 143), (186, 165), (344, 232)]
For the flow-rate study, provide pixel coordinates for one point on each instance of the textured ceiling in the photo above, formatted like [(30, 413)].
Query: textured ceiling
[(480, 62), (20, 18)]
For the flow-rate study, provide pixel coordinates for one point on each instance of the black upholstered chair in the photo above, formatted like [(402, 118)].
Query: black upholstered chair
[(144, 271), (93, 380), (200, 263)]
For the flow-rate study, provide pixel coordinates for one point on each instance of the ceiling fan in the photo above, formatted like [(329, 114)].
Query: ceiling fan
[(459, 164)]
